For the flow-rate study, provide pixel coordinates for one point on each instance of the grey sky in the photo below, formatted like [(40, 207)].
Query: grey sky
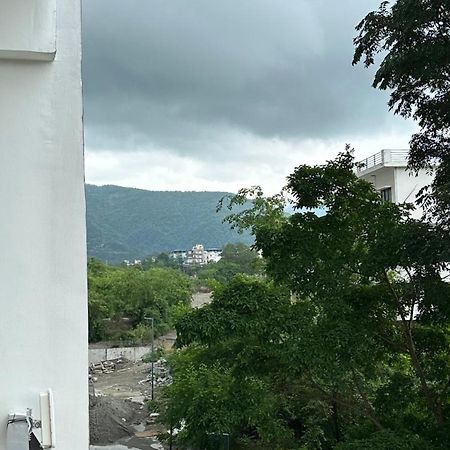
[(203, 94)]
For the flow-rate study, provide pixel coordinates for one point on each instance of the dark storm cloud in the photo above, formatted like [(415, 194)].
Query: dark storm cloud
[(174, 74)]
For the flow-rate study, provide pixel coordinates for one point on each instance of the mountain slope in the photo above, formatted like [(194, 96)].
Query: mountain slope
[(127, 223)]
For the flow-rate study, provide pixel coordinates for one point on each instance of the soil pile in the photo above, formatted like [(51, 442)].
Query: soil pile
[(111, 419)]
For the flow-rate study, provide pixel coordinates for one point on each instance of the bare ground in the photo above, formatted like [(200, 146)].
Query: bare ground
[(200, 299), (119, 419), (118, 416)]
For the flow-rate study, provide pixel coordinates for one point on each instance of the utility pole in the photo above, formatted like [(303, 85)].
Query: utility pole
[(152, 352)]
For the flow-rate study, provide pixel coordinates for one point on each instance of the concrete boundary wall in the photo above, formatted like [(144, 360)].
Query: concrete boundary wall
[(106, 354)]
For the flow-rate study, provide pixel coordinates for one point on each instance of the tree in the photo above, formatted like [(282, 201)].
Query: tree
[(369, 279), (162, 260), (225, 376), (344, 345), (413, 39), (242, 255), (98, 308), (118, 292)]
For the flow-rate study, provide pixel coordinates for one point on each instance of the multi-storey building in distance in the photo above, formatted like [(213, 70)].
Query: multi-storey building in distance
[(388, 172), (198, 255)]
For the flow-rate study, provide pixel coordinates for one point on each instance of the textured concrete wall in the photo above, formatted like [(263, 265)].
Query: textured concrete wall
[(43, 318), (106, 354)]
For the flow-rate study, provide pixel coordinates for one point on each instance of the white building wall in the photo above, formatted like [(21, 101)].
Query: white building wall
[(408, 184), (43, 318), (382, 178), (405, 185)]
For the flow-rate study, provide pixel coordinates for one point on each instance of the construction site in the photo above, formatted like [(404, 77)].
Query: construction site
[(121, 393)]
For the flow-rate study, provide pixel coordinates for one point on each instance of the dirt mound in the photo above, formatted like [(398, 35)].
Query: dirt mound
[(111, 419)]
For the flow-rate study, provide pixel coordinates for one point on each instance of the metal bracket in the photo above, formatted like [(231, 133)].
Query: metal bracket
[(45, 424), (19, 431), (15, 417)]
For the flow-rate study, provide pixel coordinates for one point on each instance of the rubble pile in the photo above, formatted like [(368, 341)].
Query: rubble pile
[(119, 402), (161, 373), (107, 366)]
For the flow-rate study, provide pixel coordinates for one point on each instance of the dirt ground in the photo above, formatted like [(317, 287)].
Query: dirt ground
[(118, 416), (124, 382), (119, 419), (200, 299)]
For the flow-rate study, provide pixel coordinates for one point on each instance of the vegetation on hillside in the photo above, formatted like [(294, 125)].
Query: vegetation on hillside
[(125, 223)]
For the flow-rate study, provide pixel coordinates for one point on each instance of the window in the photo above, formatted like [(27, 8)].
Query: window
[(386, 194)]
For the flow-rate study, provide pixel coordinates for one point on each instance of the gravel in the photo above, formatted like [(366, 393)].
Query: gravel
[(111, 418)]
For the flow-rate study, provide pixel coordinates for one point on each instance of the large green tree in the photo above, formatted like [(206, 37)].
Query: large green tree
[(409, 40), (357, 354), (225, 378)]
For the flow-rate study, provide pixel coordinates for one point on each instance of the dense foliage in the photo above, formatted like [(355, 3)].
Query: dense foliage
[(356, 356), (120, 298), (224, 378), (125, 223), (412, 37)]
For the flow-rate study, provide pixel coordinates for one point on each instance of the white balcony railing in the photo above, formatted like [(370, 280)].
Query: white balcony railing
[(385, 156)]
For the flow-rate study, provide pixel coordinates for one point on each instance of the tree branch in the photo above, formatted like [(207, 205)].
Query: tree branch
[(430, 398), (369, 413)]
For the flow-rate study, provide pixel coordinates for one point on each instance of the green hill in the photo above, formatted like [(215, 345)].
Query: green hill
[(126, 223)]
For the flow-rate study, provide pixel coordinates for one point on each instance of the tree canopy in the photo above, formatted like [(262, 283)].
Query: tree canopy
[(116, 293), (412, 40), (347, 347)]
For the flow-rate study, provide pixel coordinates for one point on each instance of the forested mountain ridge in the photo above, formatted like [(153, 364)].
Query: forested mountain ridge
[(127, 223)]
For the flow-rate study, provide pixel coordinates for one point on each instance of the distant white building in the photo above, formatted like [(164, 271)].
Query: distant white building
[(387, 171), (213, 255), (175, 254), (198, 255), (136, 262)]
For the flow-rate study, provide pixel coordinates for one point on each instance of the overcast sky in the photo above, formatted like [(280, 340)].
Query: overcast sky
[(222, 94)]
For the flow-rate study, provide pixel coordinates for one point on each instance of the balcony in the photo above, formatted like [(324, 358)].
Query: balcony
[(386, 157)]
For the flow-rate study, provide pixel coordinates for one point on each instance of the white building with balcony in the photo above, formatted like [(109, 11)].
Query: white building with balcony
[(43, 317), (196, 256), (388, 172)]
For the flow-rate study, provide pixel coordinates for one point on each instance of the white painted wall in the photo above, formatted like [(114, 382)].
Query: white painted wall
[(133, 354), (408, 185), (43, 318), (381, 178), (28, 29), (405, 185)]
